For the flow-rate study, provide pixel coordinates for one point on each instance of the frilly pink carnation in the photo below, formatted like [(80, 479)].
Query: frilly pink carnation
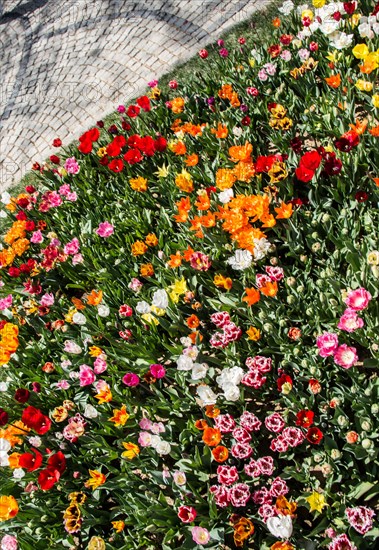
[(327, 344), (105, 229), (350, 321), (345, 356), (360, 518), (157, 370), (358, 299), (8, 542), (342, 542), (131, 379)]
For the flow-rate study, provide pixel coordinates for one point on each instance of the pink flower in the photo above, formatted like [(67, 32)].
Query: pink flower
[(47, 300), (350, 321), (360, 518), (275, 422), (266, 465), (100, 365), (72, 197), (125, 311), (250, 422), (266, 511), (200, 261), (241, 435), (72, 247), (254, 379), (262, 364), (157, 370), (9, 542), (278, 487), (262, 496), (152, 83), (179, 478), (294, 436), (345, 356), (220, 318), (77, 259), (342, 542), (121, 109), (105, 229), (232, 332), (225, 423), (157, 428), (36, 237), (241, 450), (275, 273), (173, 84), (130, 379), (64, 189), (86, 375), (145, 439), (239, 494), (327, 344), (71, 166), (5, 303), (252, 469), (221, 495), (227, 475), (135, 285), (145, 424), (63, 385), (200, 535), (187, 514), (358, 299)]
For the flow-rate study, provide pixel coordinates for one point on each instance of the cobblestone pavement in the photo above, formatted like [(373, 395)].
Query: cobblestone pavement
[(65, 63)]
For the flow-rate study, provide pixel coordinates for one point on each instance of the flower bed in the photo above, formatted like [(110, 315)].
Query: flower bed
[(189, 314)]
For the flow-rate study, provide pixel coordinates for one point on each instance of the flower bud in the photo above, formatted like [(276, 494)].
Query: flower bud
[(342, 420), (367, 443), (375, 408), (366, 425), (325, 218), (335, 453), (291, 281)]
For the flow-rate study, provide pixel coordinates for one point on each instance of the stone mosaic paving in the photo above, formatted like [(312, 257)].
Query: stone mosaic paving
[(65, 63)]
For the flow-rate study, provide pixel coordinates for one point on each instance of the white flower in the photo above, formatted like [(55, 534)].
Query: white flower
[(261, 247), (199, 371), (5, 197), (18, 473), (303, 54), (230, 376), (225, 196), (232, 393), (142, 307), (4, 460), (185, 341), (3, 214), (3, 386), (237, 131), (280, 526), (103, 310), (241, 260), (155, 441), (287, 7), (184, 362), (35, 441), (304, 33), (206, 395), (5, 446), (365, 31), (302, 8), (191, 351), (340, 40), (79, 318), (163, 448), (160, 299), (90, 412), (329, 26)]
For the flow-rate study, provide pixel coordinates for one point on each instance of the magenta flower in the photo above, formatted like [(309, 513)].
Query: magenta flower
[(105, 229), (72, 247), (358, 299), (157, 370), (187, 514), (223, 52), (350, 321), (130, 379), (327, 344), (36, 237), (71, 166), (345, 356), (200, 535), (86, 375), (200, 261), (6, 302), (360, 518)]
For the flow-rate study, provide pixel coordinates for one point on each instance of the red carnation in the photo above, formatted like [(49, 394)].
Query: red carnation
[(144, 103), (116, 165), (4, 417), (36, 420), (160, 144), (85, 146), (48, 478), (133, 111), (22, 395), (304, 174), (57, 462), (311, 160), (31, 462), (305, 418), (133, 156), (314, 435)]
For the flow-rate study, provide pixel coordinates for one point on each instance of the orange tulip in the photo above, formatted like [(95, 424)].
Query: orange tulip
[(333, 81), (220, 453), (211, 436), (252, 296)]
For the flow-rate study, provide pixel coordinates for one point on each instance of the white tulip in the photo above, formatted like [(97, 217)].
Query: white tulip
[(280, 526)]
